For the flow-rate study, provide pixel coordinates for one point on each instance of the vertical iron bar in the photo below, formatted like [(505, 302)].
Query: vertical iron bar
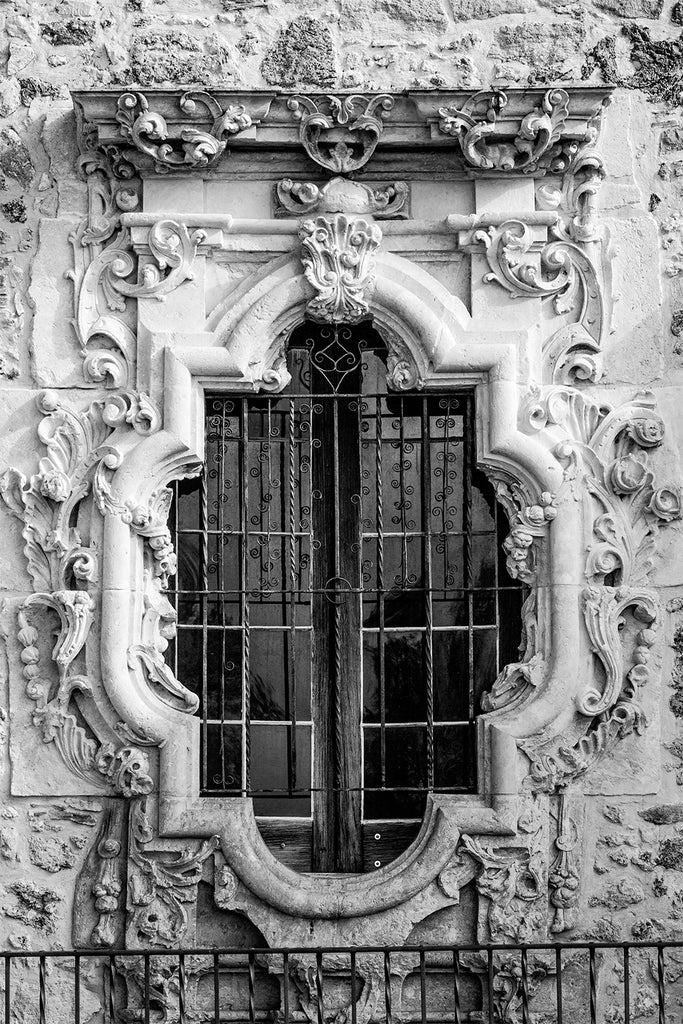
[(8, 965), (77, 989), (353, 987), (379, 496), (319, 961), (387, 987), (292, 599), (285, 984), (489, 984), (112, 989), (216, 991), (336, 609), (558, 983), (246, 688), (627, 986), (204, 519), (221, 582), (429, 641), (660, 984), (252, 989), (456, 988), (591, 983), (42, 1007), (181, 987), (469, 460), (525, 987), (423, 987), (146, 1011)]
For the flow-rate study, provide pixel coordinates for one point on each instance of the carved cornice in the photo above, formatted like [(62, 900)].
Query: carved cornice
[(521, 131)]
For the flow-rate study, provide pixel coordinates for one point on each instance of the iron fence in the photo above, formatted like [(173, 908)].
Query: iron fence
[(573, 983)]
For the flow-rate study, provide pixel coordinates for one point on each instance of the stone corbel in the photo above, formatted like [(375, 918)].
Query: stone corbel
[(340, 133), (538, 146), (147, 131)]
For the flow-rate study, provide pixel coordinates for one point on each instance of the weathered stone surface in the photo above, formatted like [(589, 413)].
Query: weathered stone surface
[(303, 55), (546, 47), (411, 14), (71, 32), (603, 57), (9, 842), (677, 13), (632, 8), (670, 853), (50, 853), (657, 63), (20, 56), (15, 159), (36, 906), (14, 211), (10, 96), (472, 10), (663, 814), (618, 895)]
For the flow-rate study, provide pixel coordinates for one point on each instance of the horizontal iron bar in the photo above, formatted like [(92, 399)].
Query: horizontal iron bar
[(311, 950)]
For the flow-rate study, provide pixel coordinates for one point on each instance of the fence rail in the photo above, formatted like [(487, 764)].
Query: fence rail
[(572, 983)]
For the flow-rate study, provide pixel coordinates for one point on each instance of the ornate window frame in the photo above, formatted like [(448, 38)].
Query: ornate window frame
[(572, 473)]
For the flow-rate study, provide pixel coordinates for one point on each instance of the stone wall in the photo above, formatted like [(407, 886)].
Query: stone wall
[(632, 847)]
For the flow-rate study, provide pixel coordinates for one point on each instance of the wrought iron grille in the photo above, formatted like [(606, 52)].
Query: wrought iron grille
[(342, 600), (581, 982)]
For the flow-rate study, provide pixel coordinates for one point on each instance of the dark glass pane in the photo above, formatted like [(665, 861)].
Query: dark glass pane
[(273, 654), (404, 676), (485, 663), (405, 768), (453, 756), (224, 757), (451, 676), (188, 505), (484, 607), (371, 694), (224, 656), (280, 756), (190, 660)]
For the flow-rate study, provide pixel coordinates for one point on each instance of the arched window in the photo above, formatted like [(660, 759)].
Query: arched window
[(342, 601)]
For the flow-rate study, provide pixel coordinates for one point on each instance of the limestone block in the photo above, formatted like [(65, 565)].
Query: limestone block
[(57, 359)]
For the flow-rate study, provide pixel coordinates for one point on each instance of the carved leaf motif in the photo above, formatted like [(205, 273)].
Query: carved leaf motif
[(160, 885), (338, 261)]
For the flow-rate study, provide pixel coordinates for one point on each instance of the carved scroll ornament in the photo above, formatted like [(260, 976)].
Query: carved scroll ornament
[(537, 147), (562, 272), (148, 132), (301, 198), (340, 133), (80, 457), (604, 452), (338, 260)]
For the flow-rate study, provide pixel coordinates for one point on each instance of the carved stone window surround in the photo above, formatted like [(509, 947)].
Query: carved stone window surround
[(531, 239)]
